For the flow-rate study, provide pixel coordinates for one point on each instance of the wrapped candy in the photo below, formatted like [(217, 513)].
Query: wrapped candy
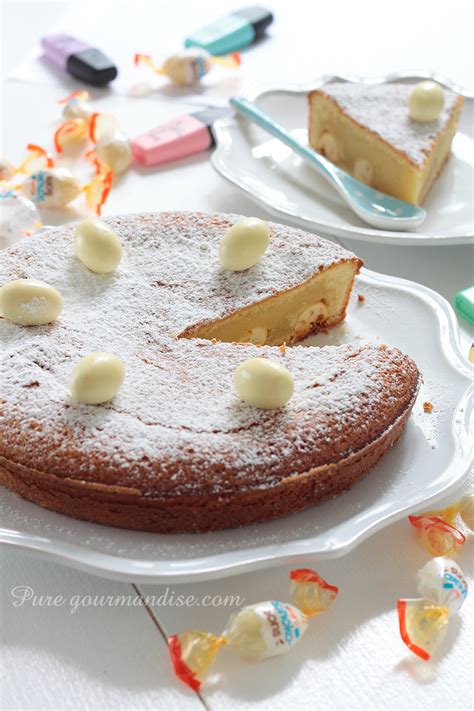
[(256, 632), (57, 187), (114, 151), (443, 531), (46, 185), (82, 122), (36, 158), (51, 187), (188, 67), (423, 621), (18, 217), (70, 133), (76, 105)]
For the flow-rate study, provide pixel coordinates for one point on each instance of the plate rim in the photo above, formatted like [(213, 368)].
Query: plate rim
[(365, 234), (226, 564)]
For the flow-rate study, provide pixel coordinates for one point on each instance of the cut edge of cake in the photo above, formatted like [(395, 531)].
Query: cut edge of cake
[(289, 316)]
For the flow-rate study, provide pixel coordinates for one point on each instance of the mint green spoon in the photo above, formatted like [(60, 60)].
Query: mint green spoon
[(372, 206)]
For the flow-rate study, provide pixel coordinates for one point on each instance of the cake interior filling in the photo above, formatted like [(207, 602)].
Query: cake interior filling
[(288, 317), (391, 173)]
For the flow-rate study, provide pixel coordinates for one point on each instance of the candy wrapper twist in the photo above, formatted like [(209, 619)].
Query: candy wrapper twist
[(256, 632), (424, 621), (112, 147), (444, 531)]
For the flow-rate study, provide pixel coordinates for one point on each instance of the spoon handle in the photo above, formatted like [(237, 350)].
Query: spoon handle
[(250, 111), (373, 207)]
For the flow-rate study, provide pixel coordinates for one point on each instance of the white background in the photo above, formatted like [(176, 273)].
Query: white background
[(352, 658)]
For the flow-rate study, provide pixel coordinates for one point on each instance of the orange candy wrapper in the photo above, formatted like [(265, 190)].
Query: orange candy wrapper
[(256, 632), (36, 159), (443, 531), (424, 621)]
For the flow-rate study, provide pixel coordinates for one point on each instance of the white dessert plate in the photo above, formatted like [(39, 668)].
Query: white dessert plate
[(272, 175), (429, 460)]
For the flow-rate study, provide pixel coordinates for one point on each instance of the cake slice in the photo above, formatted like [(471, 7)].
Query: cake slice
[(367, 130)]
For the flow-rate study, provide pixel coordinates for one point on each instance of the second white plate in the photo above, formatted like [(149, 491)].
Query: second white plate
[(271, 174), (430, 459)]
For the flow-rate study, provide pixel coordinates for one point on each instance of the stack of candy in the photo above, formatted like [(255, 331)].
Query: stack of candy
[(112, 152), (424, 621), (38, 181), (443, 531), (256, 632), (188, 67)]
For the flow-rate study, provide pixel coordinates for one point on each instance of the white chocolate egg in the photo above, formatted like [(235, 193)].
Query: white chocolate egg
[(363, 171), (244, 244), (97, 246), (97, 378), (115, 151), (263, 383), (29, 302), (51, 187), (187, 67), (7, 169), (75, 108), (426, 101)]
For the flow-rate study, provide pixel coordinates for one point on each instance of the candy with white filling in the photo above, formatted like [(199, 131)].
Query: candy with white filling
[(97, 246), (97, 378)]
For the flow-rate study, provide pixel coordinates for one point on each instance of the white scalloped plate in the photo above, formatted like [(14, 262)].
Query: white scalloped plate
[(430, 459), (272, 175)]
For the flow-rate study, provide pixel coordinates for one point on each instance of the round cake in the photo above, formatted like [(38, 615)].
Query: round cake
[(176, 450)]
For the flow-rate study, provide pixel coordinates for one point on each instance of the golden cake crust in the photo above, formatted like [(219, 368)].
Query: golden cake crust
[(175, 450), (128, 507)]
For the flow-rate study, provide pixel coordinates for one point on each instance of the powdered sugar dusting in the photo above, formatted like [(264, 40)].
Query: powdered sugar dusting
[(383, 108), (35, 305), (176, 425)]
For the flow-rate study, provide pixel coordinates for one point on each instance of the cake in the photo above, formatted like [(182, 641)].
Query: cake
[(367, 130), (175, 450)]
